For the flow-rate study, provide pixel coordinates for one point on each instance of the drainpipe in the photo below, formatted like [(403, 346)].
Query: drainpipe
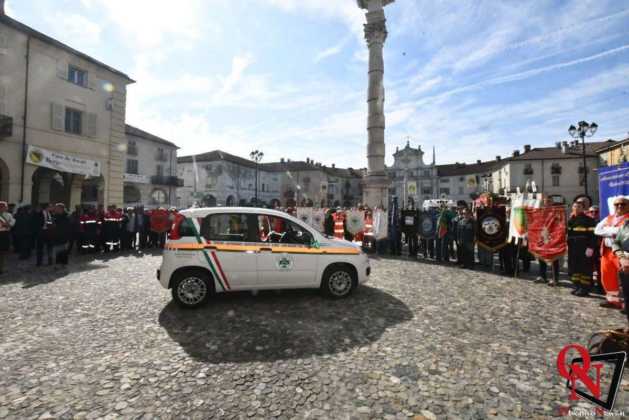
[(28, 53)]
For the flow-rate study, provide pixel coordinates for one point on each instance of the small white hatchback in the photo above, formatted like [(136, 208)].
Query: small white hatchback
[(223, 249)]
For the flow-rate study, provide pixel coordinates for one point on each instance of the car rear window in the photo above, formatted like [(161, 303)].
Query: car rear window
[(225, 227)]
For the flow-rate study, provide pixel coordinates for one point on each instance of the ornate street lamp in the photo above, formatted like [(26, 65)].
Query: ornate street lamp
[(256, 156), (583, 130)]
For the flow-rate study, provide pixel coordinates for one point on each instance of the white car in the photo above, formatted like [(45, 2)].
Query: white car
[(223, 249)]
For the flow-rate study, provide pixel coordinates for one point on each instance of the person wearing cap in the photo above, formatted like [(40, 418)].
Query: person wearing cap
[(607, 229)]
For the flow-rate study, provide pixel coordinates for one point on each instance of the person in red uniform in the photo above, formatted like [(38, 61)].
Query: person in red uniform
[(111, 225), (89, 230), (339, 224), (607, 230), (160, 224)]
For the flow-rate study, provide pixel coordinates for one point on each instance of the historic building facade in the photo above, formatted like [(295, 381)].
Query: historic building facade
[(62, 119), (150, 177), (223, 179), (413, 180)]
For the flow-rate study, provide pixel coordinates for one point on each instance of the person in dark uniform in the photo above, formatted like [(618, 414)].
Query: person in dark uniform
[(62, 234), (465, 234), (43, 233), (581, 244)]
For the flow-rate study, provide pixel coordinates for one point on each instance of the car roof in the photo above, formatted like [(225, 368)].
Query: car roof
[(204, 211)]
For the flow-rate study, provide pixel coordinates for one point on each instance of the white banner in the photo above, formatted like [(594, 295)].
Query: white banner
[(138, 179), (62, 162)]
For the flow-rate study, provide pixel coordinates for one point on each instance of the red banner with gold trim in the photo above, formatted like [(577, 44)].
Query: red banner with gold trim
[(547, 232)]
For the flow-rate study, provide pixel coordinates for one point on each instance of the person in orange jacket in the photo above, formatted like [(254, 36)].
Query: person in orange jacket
[(339, 224), (608, 229)]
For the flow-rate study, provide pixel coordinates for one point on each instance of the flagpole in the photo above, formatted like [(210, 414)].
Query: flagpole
[(517, 259)]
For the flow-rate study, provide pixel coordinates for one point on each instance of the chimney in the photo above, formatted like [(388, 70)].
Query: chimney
[(333, 165), (527, 148), (281, 160), (558, 145), (2, 8), (478, 162), (288, 160), (516, 153), (498, 158)]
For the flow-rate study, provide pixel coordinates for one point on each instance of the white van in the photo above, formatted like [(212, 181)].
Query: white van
[(223, 249)]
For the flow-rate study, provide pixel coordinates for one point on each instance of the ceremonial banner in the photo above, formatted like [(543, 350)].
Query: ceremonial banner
[(409, 222), (412, 188), (427, 224), (62, 162), (380, 224), (613, 181), (318, 218), (517, 223), (491, 228), (355, 221), (304, 214), (547, 232)]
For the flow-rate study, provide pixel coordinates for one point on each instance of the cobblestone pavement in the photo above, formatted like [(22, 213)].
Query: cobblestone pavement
[(104, 340)]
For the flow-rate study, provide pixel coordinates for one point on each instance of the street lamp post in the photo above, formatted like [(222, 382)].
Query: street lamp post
[(583, 130), (256, 156)]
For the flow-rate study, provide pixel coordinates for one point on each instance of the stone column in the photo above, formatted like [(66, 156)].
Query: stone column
[(376, 183)]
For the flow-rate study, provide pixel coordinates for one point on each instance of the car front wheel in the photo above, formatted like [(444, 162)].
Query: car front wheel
[(338, 281), (191, 288)]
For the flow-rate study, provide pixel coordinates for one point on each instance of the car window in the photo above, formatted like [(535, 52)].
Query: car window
[(225, 227), (186, 228), (273, 229)]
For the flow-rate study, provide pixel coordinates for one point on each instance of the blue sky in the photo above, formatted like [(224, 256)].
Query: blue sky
[(473, 78)]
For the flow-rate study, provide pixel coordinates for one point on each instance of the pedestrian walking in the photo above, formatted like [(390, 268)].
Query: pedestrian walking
[(6, 224)]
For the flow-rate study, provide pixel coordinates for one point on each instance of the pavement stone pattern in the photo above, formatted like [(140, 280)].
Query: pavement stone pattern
[(420, 341)]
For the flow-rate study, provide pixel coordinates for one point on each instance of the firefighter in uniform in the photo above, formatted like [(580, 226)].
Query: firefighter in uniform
[(339, 224), (111, 227), (608, 229), (89, 231)]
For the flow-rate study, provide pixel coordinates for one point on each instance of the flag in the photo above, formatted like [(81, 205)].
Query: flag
[(547, 232), (304, 214), (442, 223), (491, 227), (517, 223), (427, 224), (355, 221), (380, 224)]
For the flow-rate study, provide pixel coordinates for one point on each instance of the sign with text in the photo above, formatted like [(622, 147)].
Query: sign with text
[(62, 162), (138, 179), (613, 181)]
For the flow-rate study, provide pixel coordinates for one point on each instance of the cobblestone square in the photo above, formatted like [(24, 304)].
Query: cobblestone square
[(104, 340)]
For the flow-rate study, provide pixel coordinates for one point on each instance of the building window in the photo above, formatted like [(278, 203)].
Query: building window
[(444, 180), (460, 190), (555, 169), (461, 179), (74, 119), (160, 170), (555, 180), (528, 169), (132, 166), (427, 174), (161, 155), (445, 191), (77, 76), (132, 148), (426, 190)]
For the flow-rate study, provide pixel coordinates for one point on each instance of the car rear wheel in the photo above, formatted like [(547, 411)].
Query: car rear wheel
[(191, 288), (338, 281)]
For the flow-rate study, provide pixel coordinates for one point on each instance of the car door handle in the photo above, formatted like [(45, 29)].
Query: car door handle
[(265, 249)]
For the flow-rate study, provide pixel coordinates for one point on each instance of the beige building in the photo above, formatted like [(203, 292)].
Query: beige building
[(150, 177), (615, 154), (63, 121)]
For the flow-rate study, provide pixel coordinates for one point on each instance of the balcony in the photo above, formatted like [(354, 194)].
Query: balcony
[(172, 181)]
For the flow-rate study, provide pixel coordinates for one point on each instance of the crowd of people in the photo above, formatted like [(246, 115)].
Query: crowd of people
[(52, 233), (598, 250)]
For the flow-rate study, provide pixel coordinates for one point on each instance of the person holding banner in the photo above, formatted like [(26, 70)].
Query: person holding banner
[(581, 244), (608, 229)]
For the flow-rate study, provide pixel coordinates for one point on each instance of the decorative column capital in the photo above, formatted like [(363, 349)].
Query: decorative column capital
[(376, 32)]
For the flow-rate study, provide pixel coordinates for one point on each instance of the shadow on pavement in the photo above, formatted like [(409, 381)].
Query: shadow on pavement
[(239, 327)]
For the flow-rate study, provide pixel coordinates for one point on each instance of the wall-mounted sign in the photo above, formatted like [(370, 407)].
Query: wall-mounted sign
[(62, 162), (138, 179)]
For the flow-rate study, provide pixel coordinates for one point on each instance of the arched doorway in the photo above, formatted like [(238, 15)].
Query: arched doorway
[(4, 181), (131, 195), (51, 186), (231, 201), (208, 201)]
